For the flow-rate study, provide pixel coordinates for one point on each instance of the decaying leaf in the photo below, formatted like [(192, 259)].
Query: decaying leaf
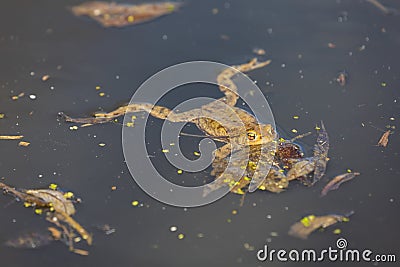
[(120, 15), (58, 202), (337, 181), (310, 223), (58, 208), (384, 139)]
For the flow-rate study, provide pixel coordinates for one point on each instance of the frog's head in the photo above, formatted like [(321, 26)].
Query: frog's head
[(263, 134)]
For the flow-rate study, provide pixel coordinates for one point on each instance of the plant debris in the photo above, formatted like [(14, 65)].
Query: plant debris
[(24, 143), (11, 137), (337, 181), (384, 139), (303, 228), (120, 15), (384, 9), (341, 78), (58, 208)]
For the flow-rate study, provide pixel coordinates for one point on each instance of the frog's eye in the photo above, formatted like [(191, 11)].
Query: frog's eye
[(251, 135)]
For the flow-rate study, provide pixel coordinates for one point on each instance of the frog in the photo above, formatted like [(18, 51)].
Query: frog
[(234, 118), (259, 138), (289, 164)]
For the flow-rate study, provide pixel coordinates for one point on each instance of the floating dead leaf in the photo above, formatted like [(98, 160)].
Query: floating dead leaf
[(57, 207), (120, 15), (309, 224), (23, 143), (384, 139), (337, 181), (56, 200), (11, 137)]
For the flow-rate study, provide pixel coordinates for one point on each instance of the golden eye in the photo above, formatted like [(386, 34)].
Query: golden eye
[(251, 135)]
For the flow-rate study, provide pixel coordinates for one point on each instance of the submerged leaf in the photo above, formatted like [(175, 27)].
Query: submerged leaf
[(337, 181), (30, 240), (309, 224)]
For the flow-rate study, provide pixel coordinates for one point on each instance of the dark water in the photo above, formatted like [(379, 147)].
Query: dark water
[(38, 36)]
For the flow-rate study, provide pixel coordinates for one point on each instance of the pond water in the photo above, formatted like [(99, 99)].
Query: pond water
[(43, 38)]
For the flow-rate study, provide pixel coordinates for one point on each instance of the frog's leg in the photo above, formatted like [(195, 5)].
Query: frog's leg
[(155, 111), (228, 87)]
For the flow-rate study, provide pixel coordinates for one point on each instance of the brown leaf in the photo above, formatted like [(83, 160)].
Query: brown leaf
[(56, 198), (309, 224), (384, 139), (120, 15), (337, 181)]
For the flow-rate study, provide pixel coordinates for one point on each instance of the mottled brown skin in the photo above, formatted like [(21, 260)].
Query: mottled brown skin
[(239, 128)]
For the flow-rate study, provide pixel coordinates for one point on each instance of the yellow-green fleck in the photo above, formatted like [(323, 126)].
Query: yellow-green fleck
[(165, 150), (135, 203), (345, 219), (181, 236), (383, 84), (349, 170), (53, 186), (102, 145), (306, 221), (196, 153), (38, 211), (228, 220), (296, 117), (294, 131), (2, 115), (337, 231), (69, 195), (179, 171), (234, 212)]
